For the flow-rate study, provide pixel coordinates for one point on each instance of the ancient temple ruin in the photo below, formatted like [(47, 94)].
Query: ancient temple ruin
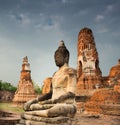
[(47, 85), (107, 100), (89, 75), (114, 77), (114, 73), (25, 90)]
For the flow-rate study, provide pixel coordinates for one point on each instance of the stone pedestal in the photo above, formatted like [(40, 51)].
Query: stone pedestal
[(34, 120)]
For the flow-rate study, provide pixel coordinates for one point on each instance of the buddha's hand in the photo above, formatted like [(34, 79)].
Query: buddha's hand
[(46, 102), (41, 102), (64, 97), (26, 106)]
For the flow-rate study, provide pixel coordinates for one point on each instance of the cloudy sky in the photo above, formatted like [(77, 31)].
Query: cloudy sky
[(34, 28)]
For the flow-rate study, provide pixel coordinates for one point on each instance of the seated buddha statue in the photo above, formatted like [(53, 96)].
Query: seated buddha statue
[(58, 105)]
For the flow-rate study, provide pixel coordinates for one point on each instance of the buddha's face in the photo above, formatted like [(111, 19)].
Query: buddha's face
[(61, 56), (59, 59)]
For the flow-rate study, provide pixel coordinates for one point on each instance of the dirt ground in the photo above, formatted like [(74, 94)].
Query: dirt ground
[(88, 119)]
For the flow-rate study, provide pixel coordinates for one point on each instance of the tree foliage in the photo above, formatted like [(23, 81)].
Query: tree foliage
[(38, 90), (7, 86)]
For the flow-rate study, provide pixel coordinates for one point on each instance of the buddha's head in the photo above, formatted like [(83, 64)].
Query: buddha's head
[(61, 55)]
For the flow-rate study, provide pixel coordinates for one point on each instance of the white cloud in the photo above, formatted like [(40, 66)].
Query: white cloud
[(109, 8), (102, 30), (99, 18), (24, 19), (82, 12), (38, 26), (49, 23), (20, 19), (116, 34), (64, 1)]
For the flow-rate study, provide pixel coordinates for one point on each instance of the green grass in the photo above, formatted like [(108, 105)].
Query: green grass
[(9, 107)]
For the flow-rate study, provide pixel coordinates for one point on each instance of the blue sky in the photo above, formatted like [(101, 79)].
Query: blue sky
[(34, 28)]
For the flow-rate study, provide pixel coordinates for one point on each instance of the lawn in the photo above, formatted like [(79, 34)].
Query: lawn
[(9, 107)]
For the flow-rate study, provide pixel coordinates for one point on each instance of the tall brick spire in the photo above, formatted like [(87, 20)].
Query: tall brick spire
[(25, 90), (88, 71)]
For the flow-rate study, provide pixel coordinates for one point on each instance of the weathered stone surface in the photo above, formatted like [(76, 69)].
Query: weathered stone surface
[(25, 90), (102, 97), (8, 118), (111, 109), (115, 70), (46, 85), (89, 119), (6, 96), (88, 72), (117, 88), (79, 119), (33, 122), (114, 75), (90, 78), (52, 120)]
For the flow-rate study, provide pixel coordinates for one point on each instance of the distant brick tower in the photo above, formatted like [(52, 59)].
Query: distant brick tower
[(114, 77), (88, 71), (25, 90)]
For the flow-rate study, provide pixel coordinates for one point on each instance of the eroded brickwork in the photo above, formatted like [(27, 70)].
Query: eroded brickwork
[(25, 90), (89, 75)]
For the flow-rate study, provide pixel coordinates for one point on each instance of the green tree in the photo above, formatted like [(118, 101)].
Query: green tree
[(7, 86), (0, 84), (38, 90)]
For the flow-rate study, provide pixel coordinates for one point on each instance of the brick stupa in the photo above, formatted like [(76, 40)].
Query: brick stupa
[(115, 71), (114, 77), (89, 75), (25, 90), (47, 85)]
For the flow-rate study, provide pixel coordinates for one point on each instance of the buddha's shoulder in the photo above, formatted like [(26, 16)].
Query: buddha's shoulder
[(70, 71)]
